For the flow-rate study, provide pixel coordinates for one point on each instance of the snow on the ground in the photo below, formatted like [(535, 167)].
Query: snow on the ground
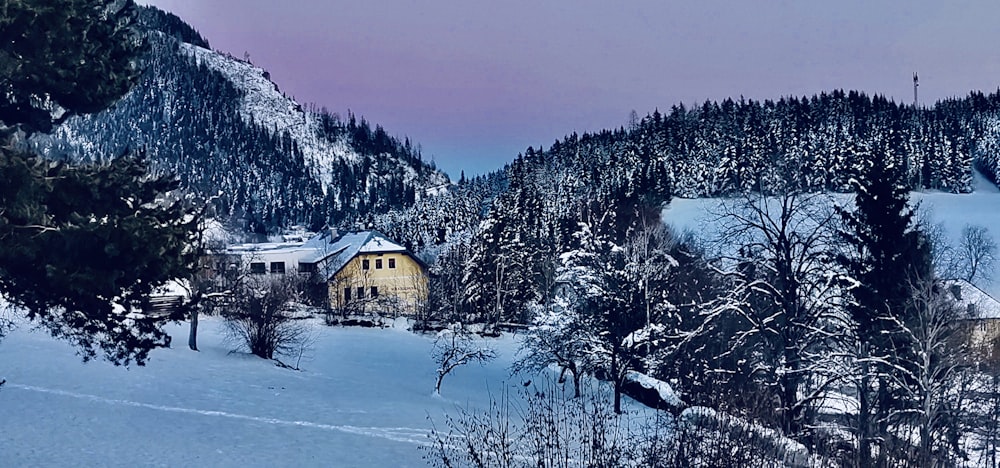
[(363, 398), (952, 211)]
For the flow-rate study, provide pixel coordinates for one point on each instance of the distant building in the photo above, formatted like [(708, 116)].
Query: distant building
[(367, 272), (273, 258), (983, 312), (362, 272)]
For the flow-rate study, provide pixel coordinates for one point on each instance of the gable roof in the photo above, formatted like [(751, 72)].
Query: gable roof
[(333, 253), (984, 305)]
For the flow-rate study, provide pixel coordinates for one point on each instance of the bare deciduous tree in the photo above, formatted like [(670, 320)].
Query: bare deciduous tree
[(553, 339), (649, 262), (454, 348), (928, 378), (973, 259), (976, 254), (783, 292)]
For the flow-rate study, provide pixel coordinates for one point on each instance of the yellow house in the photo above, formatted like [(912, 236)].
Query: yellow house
[(365, 272)]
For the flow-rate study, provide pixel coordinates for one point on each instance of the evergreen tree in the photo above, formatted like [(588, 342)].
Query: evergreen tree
[(61, 58), (885, 255), (84, 246)]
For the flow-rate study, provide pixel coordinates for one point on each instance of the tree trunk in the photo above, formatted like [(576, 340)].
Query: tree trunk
[(437, 386), (864, 418), (618, 397), (616, 375), (193, 332), (881, 418), (994, 423), (789, 383), (925, 442), (571, 368)]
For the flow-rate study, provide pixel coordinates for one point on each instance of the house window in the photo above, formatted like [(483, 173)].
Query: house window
[(361, 292), (392, 263), (278, 268), (378, 263), (365, 264), (374, 292), (347, 294), (307, 268), (258, 268)]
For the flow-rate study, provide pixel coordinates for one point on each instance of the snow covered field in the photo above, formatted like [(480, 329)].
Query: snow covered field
[(362, 399)]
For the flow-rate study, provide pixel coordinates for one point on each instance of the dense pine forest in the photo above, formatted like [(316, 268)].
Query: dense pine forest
[(819, 143)]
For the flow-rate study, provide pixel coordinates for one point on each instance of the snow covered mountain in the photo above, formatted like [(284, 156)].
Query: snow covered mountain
[(227, 130)]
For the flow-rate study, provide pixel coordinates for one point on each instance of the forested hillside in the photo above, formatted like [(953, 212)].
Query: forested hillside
[(226, 130), (818, 143)]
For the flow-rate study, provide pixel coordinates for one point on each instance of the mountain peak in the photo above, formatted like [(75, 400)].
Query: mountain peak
[(221, 125)]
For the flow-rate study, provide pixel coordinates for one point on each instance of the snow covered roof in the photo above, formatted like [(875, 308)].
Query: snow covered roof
[(268, 247), (333, 253), (966, 294), (329, 251)]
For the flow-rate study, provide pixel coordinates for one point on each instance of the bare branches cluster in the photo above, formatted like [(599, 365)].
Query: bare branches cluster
[(263, 317), (456, 347)]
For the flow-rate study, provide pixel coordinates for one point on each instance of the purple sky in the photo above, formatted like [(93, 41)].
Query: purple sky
[(477, 82)]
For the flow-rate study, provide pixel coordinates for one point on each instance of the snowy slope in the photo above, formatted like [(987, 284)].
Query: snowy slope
[(951, 210), (264, 103), (363, 399), (220, 124)]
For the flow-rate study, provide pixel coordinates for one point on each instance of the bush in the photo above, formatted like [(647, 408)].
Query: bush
[(261, 317)]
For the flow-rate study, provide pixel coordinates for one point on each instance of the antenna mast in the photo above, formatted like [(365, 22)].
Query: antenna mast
[(915, 84)]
